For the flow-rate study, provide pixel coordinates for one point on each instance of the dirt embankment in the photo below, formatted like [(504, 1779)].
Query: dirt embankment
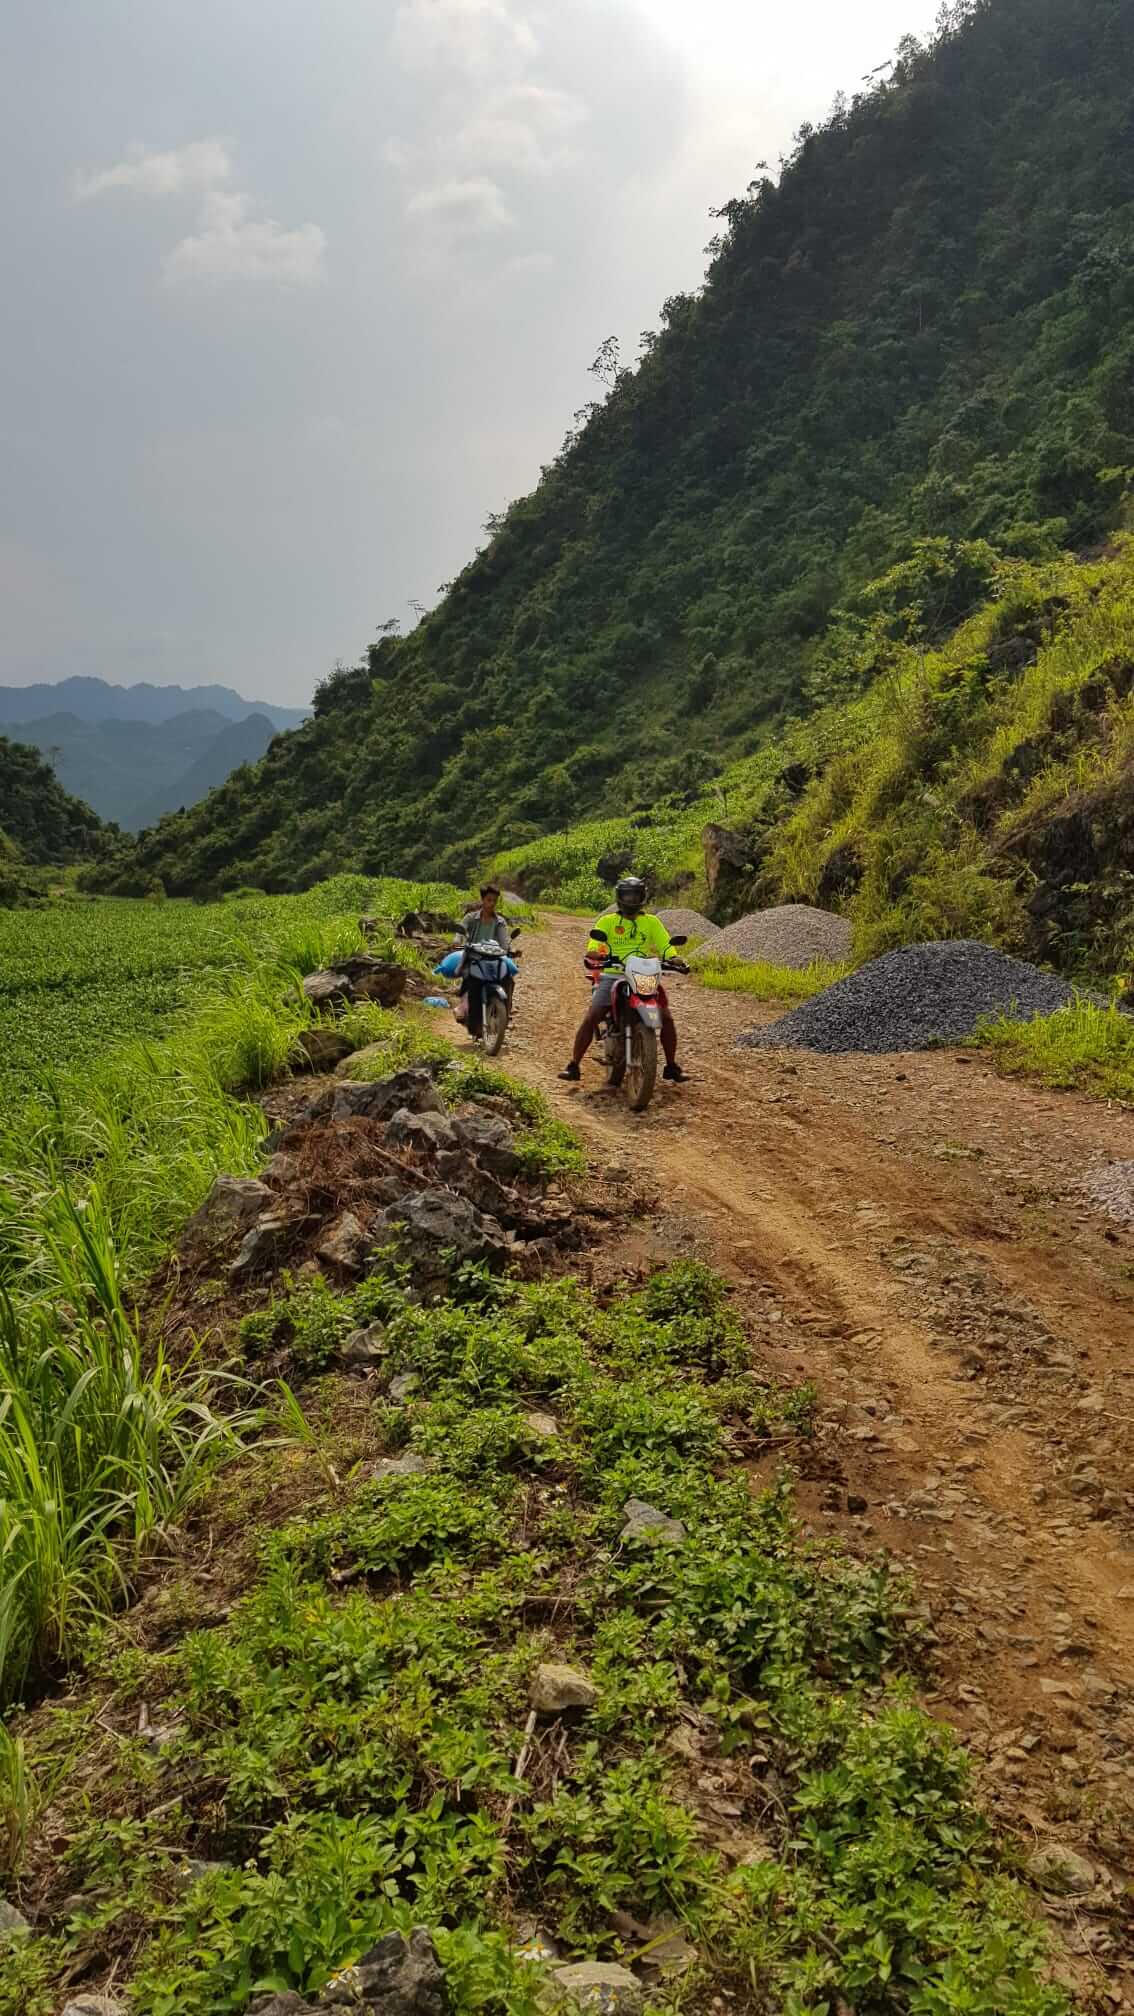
[(909, 1232)]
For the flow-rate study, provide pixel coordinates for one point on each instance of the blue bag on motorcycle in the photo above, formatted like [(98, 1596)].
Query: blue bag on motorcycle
[(450, 965)]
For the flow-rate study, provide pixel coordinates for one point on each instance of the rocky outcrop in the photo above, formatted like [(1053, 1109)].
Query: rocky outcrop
[(397, 1977)]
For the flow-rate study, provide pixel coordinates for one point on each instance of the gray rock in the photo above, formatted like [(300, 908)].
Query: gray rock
[(282, 1168), (544, 1425), (441, 1230), (1061, 1870), (345, 1243), (320, 1049), (489, 1140), (405, 1385), (408, 1465), (12, 1922), (645, 1522), (397, 1977), (94, 2005), (426, 1133), (195, 1870), (372, 979), (364, 1347), (379, 1098), (263, 1245), (556, 1687), (233, 1204), (327, 989), (599, 1984)]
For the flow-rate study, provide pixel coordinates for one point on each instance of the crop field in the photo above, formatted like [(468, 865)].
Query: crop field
[(76, 980)]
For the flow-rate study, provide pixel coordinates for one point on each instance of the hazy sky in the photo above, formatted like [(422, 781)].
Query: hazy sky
[(296, 292)]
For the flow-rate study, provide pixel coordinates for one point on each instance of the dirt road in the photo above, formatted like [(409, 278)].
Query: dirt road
[(908, 1232)]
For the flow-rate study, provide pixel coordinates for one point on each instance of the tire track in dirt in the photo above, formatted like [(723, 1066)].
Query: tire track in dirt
[(907, 1232)]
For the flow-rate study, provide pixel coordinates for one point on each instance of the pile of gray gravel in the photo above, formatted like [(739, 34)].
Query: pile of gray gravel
[(687, 923), (1111, 1189), (912, 998), (793, 934)]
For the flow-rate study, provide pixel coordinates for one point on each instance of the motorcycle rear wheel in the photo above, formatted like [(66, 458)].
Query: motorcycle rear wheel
[(495, 1025), (641, 1075)]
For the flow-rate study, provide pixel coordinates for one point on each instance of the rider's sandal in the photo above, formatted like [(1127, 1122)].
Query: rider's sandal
[(572, 1073)]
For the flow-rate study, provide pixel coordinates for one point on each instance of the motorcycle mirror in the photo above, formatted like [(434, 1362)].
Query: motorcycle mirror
[(681, 939), (600, 936)]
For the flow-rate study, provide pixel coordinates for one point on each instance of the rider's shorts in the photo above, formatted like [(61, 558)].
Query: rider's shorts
[(601, 997)]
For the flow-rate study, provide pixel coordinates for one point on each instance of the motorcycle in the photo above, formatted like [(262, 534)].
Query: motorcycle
[(628, 1034), (495, 972)]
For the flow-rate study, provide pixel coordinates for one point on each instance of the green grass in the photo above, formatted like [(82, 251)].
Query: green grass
[(767, 982), (103, 1440), (1080, 1048), (347, 1737), (79, 979)]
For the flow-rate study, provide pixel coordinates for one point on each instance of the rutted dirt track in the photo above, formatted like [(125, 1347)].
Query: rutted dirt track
[(908, 1232)]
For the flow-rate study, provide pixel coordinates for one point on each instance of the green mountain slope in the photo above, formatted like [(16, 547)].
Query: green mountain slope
[(925, 329), (40, 821)]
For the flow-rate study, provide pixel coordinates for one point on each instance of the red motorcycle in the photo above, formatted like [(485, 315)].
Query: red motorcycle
[(628, 1033)]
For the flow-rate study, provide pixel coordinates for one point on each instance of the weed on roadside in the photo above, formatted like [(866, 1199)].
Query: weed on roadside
[(353, 1745)]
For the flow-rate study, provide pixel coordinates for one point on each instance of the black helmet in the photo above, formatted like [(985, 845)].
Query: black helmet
[(630, 895)]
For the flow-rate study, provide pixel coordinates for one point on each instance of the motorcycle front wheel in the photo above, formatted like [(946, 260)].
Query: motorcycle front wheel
[(614, 1057), (495, 1024), (642, 1071)]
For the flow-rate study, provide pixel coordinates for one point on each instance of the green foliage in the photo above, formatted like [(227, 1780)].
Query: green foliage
[(547, 1146), (912, 351), (358, 1717), (1082, 1047), (41, 822)]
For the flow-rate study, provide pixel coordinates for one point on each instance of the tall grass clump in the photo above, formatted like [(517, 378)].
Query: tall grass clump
[(99, 1447), (768, 982), (1081, 1047)]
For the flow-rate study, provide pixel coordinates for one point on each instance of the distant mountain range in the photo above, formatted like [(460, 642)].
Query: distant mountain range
[(136, 752)]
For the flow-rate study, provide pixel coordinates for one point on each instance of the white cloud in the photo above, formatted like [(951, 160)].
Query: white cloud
[(235, 242), (203, 164), (530, 262), (526, 129), (474, 205), (235, 239), (474, 36)]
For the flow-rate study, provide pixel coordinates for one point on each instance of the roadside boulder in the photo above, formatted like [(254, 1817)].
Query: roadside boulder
[(320, 1049), (439, 1227), (327, 989), (262, 1245), (94, 2005), (397, 1977), (426, 1133), (380, 1098), (489, 1139), (344, 1244), (13, 1924), (233, 1205), (371, 979)]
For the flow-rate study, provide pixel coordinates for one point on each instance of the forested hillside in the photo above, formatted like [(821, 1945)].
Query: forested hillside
[(39, 819), (923, 330)]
